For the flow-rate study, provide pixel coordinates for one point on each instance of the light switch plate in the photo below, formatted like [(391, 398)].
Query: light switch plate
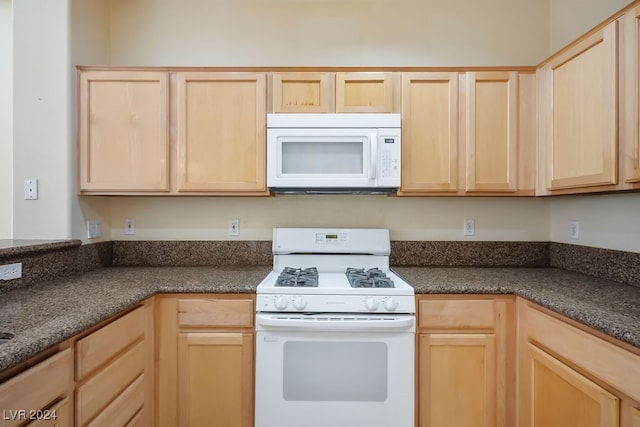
[(94, 229)]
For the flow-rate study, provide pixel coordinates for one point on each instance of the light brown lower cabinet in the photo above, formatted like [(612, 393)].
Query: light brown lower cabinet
[(465, 353), (115, 371), (205, 360), (40, 395), (571, 377)]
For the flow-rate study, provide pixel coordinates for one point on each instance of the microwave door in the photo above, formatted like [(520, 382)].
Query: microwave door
[(318, 158)]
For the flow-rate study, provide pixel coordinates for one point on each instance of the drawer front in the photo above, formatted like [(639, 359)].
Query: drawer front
[(36, 388), (456, 314), (585, 351), (108, 383), (214, 312), (124, 408), (59, 415), (102, 345)]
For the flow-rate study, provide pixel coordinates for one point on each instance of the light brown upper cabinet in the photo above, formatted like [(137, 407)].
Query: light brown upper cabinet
[(307, 92), (123, 131), (221, 132), (630, 98), (578, 114), (429, 133), (491, 131), (335, 92), (468, 133), (364, 92)]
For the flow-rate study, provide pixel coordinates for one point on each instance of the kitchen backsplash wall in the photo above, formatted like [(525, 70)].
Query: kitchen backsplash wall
[(53, 260), (620, 266), (431, 218)]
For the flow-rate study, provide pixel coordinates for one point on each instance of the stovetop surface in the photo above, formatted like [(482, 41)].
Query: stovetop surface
[(334, 283)]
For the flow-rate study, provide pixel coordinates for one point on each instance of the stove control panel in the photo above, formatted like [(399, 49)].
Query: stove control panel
[(336, 303)]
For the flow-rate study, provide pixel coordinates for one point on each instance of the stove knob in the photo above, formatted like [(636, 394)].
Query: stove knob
[(299, 303), (390, 304), (280, 302), (371, 303)]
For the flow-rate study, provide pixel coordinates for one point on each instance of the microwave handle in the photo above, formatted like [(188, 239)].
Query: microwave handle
[(373, 140)]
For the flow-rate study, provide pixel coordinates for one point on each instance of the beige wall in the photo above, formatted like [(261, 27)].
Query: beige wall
[(572, 18), (90, 44), (53, 36), (606, 221), (6, 134), (329, 32), (420, 218), (41, 126)]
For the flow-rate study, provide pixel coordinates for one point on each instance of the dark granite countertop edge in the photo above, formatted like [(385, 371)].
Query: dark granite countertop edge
[(10, 248), (96, 301)]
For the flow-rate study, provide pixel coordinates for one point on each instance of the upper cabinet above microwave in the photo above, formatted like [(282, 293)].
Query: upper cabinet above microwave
[(336, 92)]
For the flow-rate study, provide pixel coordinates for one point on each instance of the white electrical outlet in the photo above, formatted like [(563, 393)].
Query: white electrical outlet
[(469, 227), (574, 230), (94, 229), (129, 226), (234, 227), (30, 189), (11, 271)]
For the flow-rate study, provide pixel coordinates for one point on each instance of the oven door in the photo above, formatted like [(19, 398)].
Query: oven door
[(334, 370)]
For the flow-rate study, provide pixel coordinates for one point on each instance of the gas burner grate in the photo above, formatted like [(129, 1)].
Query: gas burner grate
[(298, 277), (372, 278)]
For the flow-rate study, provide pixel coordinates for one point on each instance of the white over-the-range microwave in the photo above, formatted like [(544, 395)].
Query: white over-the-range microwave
[(333, 153)]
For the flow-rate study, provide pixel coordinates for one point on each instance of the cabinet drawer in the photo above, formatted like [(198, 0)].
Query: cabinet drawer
[(585, 351), (124, 408), (215, 312), (108, 383), (59, 415), (102, 345), (456, 314), (37, 387)]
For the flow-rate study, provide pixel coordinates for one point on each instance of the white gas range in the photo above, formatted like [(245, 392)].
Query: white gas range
[(335, 332)]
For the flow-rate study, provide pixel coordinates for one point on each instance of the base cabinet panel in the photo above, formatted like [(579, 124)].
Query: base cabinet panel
[(561, 397), (214, 379), (205, 360), (457, 371), (465, 370)]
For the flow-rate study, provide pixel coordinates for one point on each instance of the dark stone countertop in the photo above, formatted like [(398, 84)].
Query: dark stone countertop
[(610, 307), (46, 314)]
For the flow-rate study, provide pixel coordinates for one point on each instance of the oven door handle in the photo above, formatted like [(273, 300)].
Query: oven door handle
[(342, 324)]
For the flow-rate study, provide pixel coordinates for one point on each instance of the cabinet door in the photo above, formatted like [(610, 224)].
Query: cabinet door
[(562, 397), (304, 92), (215, 379), (364, 92), (630, 123), (579, 113), (123, 131), (491, 131), (429, 133), (221, 132), (630, 416), (457, 380)]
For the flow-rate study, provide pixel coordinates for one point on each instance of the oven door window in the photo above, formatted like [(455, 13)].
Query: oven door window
[(335, 371)]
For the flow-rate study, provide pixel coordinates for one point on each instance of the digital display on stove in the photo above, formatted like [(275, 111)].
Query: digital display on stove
[(331, 238)]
